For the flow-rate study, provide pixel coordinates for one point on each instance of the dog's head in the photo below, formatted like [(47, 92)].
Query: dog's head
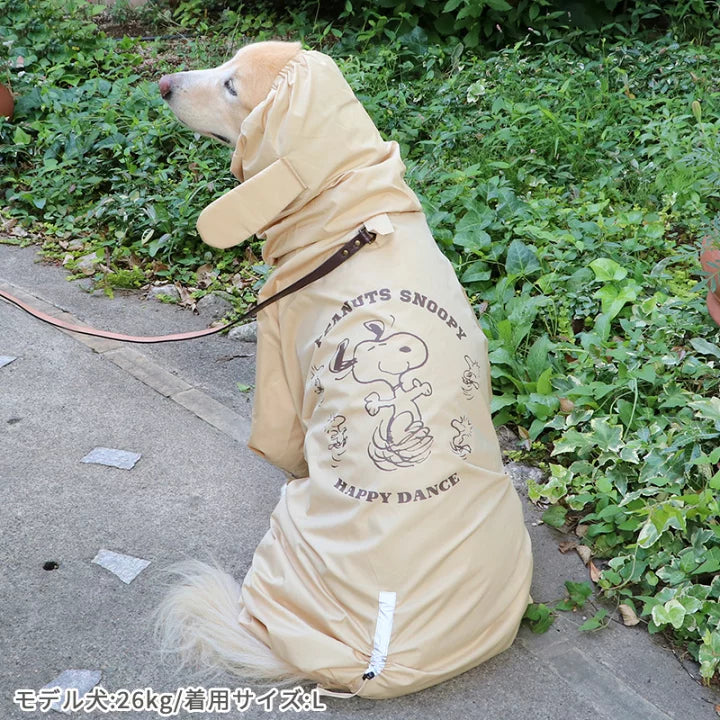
[(215, 102), (296, 129)]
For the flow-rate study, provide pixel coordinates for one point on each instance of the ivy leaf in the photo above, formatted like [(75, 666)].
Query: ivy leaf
[(709, 653), (704, 347), (542, 406), (613, 298), (470, 232), (604, 484), (521, 259), (555, 516), (708, 409), (648, 534), (20, 137), (607, 437), (501, 401), (452, 5), (714, 481), (671, 613), (155, 245), (595, 622), (671, 575), (498, 5), (606, 270), (539, 618), (574, 442), (478, 271), (577, 595), (711, 564)]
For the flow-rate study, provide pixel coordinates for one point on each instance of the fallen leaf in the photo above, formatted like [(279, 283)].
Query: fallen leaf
[(629, 617), (525, 436), (717, 709), (585, 553), (238, 281), (206, 275), (566, 406), (563, 547), (186, 299), (594, 572), (580, 530)]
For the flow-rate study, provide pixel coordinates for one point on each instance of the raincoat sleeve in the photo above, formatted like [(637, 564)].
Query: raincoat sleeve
[(276, 434)]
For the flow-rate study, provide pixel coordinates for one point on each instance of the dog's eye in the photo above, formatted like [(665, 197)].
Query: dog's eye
[(230, 87)]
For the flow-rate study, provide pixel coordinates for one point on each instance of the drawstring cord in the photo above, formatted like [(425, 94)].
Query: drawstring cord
[(381, 644), (332, 693)]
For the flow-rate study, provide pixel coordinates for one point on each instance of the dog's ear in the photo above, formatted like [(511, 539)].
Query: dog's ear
[(338, 363), (376, 327), (257, 66)]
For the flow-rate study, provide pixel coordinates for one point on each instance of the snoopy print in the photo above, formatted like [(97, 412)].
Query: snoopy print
[(390, 362)]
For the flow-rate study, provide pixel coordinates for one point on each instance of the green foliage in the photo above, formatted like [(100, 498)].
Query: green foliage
[(539, 617), (497, 22), (62, 48), (596, 622), (126, 279), (473, 20), (478, 23), (93, 153), (577, 596), (568, 185)]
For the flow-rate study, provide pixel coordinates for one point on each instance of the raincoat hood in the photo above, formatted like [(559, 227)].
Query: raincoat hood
[(312, 166)]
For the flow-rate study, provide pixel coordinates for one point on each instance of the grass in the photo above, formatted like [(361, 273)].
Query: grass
[(570, 185)]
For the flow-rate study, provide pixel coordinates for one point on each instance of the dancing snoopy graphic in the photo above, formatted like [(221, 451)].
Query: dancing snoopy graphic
[(401, 438)]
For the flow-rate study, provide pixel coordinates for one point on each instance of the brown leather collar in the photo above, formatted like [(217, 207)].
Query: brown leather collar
[(362, 238)]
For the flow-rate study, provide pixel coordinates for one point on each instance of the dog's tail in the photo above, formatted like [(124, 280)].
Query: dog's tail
[(197, 621)]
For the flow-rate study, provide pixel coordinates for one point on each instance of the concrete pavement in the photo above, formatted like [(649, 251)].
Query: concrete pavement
[(198, 491)]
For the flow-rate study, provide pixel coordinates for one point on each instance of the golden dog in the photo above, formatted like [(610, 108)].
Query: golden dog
[(397, 556)]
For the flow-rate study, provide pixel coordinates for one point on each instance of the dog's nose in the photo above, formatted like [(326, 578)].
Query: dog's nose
[(165, 85)]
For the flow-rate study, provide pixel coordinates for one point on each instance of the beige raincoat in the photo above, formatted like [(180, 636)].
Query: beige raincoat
[(398, 552)]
